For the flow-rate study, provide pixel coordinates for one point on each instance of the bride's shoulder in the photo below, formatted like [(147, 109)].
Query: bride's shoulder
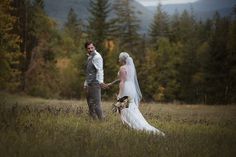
[(122, 68)]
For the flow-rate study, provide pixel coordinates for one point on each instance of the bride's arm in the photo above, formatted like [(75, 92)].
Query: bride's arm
[(122, 78)]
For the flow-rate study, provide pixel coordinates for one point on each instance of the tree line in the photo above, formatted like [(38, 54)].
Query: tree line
[(180, 58)]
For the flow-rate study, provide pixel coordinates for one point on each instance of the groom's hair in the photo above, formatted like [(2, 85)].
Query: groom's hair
[(88, 43)]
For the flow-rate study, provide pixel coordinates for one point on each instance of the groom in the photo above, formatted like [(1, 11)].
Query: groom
[(94, 81)]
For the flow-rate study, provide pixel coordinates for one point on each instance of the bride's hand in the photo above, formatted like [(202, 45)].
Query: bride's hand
[(103, 85), (117, 96)]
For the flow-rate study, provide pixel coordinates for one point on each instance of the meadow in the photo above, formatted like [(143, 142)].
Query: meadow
[(35, 127)]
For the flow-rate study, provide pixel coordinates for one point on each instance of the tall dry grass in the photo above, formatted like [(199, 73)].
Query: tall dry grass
[(39, 127)]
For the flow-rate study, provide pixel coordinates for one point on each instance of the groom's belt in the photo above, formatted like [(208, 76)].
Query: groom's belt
[(93, 84)]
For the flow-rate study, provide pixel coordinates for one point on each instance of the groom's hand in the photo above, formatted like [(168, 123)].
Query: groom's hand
[(109, 84), (85, 89), (103, 85)]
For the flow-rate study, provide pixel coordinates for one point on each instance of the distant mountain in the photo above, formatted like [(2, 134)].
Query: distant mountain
[(203, 9), (58, 9)]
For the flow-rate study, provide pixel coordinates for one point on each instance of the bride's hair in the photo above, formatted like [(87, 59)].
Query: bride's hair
[(123, 56)]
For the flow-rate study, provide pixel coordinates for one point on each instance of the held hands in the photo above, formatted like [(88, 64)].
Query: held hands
[(107, 85), (104, 85), (113, 82), (85, 88)]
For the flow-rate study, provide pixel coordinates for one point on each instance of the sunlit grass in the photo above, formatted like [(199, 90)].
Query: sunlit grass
[(39, 127)]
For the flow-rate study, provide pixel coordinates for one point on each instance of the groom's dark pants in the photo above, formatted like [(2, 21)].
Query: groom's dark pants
[(94, 100)]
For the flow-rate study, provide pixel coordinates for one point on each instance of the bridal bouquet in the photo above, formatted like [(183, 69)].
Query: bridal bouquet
[(120, 104)]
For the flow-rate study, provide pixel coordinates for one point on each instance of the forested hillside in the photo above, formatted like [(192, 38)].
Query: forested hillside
[(59, 9), (203, 9)]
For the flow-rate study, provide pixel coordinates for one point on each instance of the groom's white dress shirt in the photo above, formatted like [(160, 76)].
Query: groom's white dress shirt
[(98, 63)]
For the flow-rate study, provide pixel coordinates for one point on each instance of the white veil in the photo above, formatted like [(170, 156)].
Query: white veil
[(132, 76)]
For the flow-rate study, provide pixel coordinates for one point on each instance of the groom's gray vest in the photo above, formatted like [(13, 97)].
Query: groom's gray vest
[(91, 71)]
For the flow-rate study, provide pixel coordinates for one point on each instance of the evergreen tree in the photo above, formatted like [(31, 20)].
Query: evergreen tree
[(39, 4), (189, 66), (231, 60), (9, 48), (99, 24), (199, 78), (33, 26), (217, 70), (24, 28), (187, 26), (148, 76), (127, 27), (42, 59), (161, 71), (73, 27), (202, 57), (38, 60), (160, 25)]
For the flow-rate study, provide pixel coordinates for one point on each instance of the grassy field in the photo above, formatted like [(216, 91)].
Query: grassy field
[(39, 127)]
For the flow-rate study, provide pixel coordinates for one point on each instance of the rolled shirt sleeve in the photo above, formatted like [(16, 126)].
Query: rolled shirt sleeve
[(98, 63), (85, 83)]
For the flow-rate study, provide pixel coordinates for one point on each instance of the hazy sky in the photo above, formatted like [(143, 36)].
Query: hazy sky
[(155, 2)]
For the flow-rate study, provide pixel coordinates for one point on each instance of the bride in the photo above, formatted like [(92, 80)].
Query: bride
[(129, 87)]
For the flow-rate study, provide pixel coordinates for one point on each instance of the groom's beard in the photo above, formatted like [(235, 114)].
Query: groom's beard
[(90, 52)]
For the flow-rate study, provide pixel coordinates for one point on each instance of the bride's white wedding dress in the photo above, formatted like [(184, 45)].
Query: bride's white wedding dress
[(134, 118), (129, 87)]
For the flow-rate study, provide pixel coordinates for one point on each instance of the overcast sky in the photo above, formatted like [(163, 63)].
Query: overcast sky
[(155, 2)]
